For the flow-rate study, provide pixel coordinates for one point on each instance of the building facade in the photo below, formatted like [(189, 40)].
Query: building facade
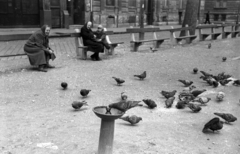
[(222, 10), (110, 13)]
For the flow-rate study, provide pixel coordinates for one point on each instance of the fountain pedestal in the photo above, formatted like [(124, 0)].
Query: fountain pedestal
[(105, 145)]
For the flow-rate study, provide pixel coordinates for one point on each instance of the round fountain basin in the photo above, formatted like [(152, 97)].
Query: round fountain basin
[(100, 111)]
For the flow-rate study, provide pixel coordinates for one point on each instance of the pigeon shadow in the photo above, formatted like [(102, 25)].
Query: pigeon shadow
[(128, 124), (78, 110), (210, 132)]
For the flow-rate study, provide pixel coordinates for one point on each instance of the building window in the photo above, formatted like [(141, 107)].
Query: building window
[(110, 2), (132, 3), (221, 4)]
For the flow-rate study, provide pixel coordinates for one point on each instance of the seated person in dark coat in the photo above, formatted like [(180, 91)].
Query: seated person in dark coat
[(101, 36), (38, 50), (89, 39)]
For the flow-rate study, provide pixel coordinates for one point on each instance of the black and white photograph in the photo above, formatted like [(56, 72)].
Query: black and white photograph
[(119, 76)]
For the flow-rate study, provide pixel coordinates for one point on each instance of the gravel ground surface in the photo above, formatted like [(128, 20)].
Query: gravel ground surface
[(37, 118)]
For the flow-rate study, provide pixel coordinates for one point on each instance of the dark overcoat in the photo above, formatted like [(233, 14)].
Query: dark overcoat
[(37, 48), (90, 41)]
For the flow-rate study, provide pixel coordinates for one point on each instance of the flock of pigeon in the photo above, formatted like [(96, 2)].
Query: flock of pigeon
[(189, 97)]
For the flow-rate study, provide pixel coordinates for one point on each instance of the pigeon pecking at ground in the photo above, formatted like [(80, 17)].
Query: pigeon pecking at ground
[(150, 103), (124, 105), (131, 119), (214, 124), (194, 107), (169, 102), (77, 105), (118, 80)]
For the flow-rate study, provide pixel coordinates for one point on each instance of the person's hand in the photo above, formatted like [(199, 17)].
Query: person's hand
[(94, 36), (51, 51), (99, 40)]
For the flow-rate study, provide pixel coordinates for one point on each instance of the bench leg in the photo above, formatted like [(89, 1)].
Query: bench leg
[(135, 46), (224, 35), (204, 37), (84, 54), (233, 35), (110, 51), (174, 41), (157, 43), (77, 52)]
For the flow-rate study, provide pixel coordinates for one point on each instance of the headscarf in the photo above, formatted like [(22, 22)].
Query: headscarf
[(45, 40)]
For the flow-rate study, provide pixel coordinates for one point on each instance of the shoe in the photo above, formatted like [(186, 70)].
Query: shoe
[(93, 58), (41, 69), (98, 59), (49, 66)]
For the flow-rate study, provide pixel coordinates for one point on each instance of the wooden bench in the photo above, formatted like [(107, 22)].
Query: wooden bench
[(84, 49), (203, 36), (235, 30), (175, 40), (136, 43), (224, 32)]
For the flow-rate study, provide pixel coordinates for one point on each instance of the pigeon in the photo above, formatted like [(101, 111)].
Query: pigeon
[(209, 46), (189, 89), (195, 93), (131, 119), (153, 49), (108, 110), (181, 104), (227, 117), (150, 103), (214, 124), (220, 96), (167, 94), (124, 105), (84, 92), (194, 107), (202, 100), (224, 82), (215, 84), (204, 77), (236, 83), (169, 102), (195, 70), (224, 59), (206, 74), (118, 80), (186, 95), (186, 83), (77, 105), (64, 85), (124, 96), (142, 76)]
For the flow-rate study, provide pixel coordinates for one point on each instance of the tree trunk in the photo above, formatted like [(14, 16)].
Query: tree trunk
[(191, 15)]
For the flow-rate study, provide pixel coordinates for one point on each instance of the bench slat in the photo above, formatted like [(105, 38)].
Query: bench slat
[(138, 30), (150, 40), (182, 37)]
